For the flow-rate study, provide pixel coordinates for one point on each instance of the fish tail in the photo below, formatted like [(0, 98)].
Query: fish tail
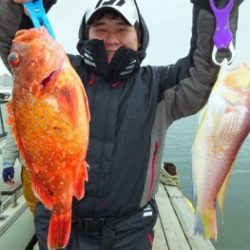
[(206, 224), (59, 230)]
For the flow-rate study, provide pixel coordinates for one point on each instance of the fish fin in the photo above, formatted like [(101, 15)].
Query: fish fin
[(59, 230), (10, 111), (222, 191), (202, 114), (206, 223), (198, 227), (11, 119), (12, 122), (194, 192), (68, 104), (80, 185), (79, 189), (85, 169), (43, 195), (86, 103)]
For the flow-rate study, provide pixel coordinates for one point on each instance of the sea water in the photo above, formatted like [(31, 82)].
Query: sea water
[(234, 227)]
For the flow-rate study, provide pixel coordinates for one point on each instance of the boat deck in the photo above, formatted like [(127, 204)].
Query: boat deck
[(174, 228)]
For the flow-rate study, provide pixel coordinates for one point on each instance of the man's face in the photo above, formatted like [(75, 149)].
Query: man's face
[(115, 33)]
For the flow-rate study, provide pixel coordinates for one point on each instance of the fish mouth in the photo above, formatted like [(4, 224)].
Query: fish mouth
[(51, 78)]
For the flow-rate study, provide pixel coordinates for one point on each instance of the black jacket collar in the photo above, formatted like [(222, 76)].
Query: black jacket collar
[(124, 62)]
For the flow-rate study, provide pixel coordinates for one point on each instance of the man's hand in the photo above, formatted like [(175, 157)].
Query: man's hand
[(8, 175), (21, 2)]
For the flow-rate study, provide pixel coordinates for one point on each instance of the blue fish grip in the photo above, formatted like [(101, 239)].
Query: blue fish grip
[(38, 15)]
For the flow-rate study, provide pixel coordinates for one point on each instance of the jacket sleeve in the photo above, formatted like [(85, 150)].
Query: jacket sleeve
[(186, 85), (12, 18), (10, 151)]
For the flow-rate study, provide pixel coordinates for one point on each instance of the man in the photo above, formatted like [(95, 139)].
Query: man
[(131, 108)]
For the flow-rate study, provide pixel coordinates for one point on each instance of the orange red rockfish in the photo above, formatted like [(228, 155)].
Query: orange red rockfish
[(50, 118), (224, 125)]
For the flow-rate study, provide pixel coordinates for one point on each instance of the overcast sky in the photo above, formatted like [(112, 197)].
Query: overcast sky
[(169, 24)]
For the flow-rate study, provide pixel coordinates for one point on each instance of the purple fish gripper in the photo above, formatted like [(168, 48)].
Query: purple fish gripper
[(222, 36)]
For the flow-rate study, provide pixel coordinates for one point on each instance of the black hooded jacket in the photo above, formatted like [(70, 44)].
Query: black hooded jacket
[(131, 108)]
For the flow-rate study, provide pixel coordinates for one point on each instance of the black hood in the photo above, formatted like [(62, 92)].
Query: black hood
[(94, 56)]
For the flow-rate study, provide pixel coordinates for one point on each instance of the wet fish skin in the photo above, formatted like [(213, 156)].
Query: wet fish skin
[(224, 125), (49, 115)]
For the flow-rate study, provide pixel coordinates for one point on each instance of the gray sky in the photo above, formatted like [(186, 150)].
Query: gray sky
[(169, 24)]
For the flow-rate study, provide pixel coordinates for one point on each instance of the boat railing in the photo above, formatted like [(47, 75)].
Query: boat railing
[(13, 193), (9, 201)]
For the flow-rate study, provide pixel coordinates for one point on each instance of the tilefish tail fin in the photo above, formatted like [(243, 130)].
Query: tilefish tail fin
[(205, 223)]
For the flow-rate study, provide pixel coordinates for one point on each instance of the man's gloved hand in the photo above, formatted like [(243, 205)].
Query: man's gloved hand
[(8, 175), (204, 4)]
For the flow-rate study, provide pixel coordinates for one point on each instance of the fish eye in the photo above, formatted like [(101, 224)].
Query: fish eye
[(13, 59)]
